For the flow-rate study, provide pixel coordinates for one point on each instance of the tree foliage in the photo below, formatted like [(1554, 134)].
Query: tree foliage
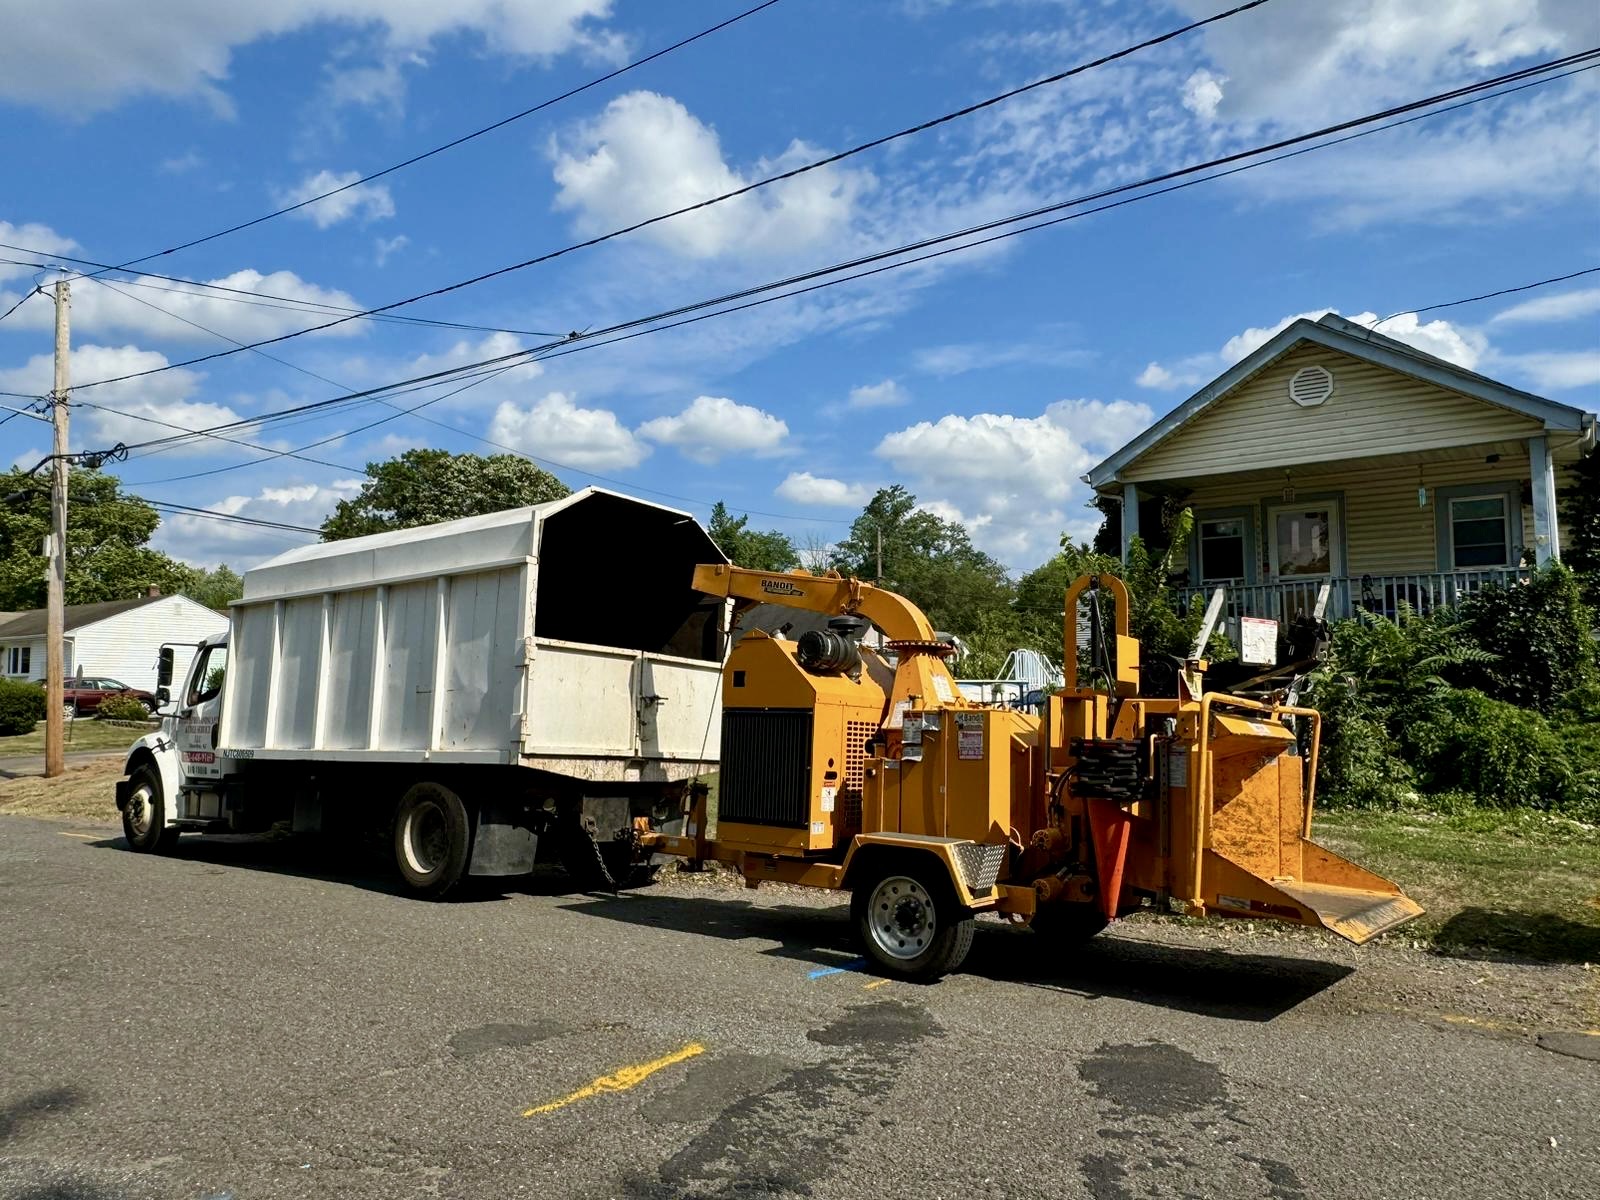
[(929, 560), (1580, 524), (760, 550), (215, 588), (108, 556), (424, 486)]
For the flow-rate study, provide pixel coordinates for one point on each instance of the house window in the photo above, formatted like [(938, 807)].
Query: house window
[(19, 660), (1479, 532), (1222, 552)]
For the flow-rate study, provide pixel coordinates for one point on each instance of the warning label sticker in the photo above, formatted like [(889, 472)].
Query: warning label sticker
[(969, 735), (942, 686), (828, 794)]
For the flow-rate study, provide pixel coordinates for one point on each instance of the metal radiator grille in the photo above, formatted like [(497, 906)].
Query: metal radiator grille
[(856, 736), (766, 767)]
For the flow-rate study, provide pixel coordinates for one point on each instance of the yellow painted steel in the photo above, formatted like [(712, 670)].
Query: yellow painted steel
[(898, 761)]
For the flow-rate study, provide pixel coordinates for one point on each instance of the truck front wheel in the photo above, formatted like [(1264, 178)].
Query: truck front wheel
[(432, 839), (909, 920), (144, 817)]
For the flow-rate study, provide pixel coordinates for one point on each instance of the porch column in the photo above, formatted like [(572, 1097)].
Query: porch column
[(1130, 516), (1546, 533)]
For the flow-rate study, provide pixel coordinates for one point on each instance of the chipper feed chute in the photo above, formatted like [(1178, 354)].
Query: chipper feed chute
[(1257, 861)]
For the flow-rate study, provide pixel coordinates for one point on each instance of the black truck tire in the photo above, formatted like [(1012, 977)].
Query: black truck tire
[(432, 840), (908, 919), (144, 817)]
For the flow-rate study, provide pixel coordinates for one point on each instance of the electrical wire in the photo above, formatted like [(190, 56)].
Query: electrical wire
[(1523, 287), (257, 299), (1189, 176), (21, 300), (605, 336), (462, 140), (730, 195)]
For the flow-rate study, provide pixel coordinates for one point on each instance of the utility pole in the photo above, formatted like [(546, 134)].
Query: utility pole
[(879, 577), (56, 580)]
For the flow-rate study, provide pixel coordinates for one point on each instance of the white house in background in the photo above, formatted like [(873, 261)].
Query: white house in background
[(1336, 455), (119, 639)]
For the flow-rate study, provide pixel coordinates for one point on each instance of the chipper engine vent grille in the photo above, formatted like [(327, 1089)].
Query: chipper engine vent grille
[(766, 767)]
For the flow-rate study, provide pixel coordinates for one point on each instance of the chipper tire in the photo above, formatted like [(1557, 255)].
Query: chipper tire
[(909, 921), (432, 840), (144, 820)]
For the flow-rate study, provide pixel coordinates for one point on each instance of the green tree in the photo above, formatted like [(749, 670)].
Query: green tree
[(760, 550), (424, 486), (929, 560), (108, 556), (215, 588), (1580, 524)]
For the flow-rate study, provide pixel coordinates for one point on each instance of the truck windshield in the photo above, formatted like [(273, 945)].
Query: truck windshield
[(206, 681)]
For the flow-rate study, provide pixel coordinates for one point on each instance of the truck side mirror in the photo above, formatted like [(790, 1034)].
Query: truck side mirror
[(163, 697), (164, 667)]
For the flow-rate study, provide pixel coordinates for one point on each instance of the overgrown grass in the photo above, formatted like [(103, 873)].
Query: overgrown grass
[(85, 793), (1516, 884), (82, 734)]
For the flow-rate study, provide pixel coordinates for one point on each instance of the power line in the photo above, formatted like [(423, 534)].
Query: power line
[(23, 299), (453, 143), (1189, 176), (246, 296), (187, 510), (740, 191), (1524, 287)]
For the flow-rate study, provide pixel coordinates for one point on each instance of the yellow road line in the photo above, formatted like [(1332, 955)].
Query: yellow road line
[(620, 1080), (88, 837), (876, 983)]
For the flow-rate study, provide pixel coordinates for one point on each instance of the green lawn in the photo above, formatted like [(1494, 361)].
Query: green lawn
[(82, 734), (1523, 884)]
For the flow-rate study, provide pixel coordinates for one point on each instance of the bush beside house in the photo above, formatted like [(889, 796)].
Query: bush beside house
[(21, 707)]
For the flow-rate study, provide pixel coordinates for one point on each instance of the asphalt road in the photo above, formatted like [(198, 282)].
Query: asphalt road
[(252, 1021)]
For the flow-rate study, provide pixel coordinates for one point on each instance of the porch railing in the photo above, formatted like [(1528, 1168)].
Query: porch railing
[(1423, 592)]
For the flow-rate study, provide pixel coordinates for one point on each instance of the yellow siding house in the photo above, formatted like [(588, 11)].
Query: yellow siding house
[(1334, 454)]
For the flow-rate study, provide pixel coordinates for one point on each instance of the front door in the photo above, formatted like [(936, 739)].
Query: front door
[(1304, 549), (195, 732)]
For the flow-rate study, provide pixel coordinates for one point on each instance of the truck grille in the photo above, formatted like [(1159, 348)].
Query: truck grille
[(766, 767)]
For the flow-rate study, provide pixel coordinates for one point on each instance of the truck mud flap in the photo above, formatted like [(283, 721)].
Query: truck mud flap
[(502, 849)]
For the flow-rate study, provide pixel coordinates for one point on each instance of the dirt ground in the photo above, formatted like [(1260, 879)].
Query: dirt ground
[(83, 793)]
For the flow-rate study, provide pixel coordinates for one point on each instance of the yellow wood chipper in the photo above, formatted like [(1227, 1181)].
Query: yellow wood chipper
[(849, 767)]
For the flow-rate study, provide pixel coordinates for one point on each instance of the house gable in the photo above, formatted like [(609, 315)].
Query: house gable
[(1372, 410)]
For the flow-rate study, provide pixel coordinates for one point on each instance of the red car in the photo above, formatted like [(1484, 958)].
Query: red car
[(84, 693)]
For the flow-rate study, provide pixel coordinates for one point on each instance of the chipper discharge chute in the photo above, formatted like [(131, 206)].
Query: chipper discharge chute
[(861, 768)]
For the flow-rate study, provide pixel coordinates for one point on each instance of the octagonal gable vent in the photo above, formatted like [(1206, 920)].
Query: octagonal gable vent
[(1310, 386)]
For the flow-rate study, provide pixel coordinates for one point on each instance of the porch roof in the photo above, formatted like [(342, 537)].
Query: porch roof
[(1346, 337)]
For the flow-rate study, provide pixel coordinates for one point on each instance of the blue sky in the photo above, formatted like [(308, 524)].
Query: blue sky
[(988, 382)]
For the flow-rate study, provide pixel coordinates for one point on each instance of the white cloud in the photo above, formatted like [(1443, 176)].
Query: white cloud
[(369, 202), (135, 307), (205, 541), (182, 164), (35, 237), (112, 50), (1101, 425), (994, 450), (713, 427), (1567, 306), (1457, 344), (557, 430), (878, 395), (1202, 92), (383, 248), (647, 154), (957, 358), (1558, 371), (802, 487), (147, 408)]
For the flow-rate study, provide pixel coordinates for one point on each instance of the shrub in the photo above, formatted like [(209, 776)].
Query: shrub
[(1508, 757), (122, 708), (1540, 635), (21, 707)]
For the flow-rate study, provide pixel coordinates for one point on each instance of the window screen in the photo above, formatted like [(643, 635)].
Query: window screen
[(1478, 531)]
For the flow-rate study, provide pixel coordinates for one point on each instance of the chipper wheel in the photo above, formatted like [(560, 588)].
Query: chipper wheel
[(909, 921)]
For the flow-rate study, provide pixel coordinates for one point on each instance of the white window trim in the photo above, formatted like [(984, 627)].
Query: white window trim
[(1505, 523), (1335, 537)]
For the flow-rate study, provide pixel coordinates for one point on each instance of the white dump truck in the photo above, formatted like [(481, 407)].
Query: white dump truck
[(537, 683)]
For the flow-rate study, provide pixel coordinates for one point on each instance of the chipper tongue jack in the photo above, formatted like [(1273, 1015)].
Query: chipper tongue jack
[(845, 766)]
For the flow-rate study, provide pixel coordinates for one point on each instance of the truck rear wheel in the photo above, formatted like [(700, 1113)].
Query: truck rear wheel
[(432, 839), (144, 817), (909, 921)]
